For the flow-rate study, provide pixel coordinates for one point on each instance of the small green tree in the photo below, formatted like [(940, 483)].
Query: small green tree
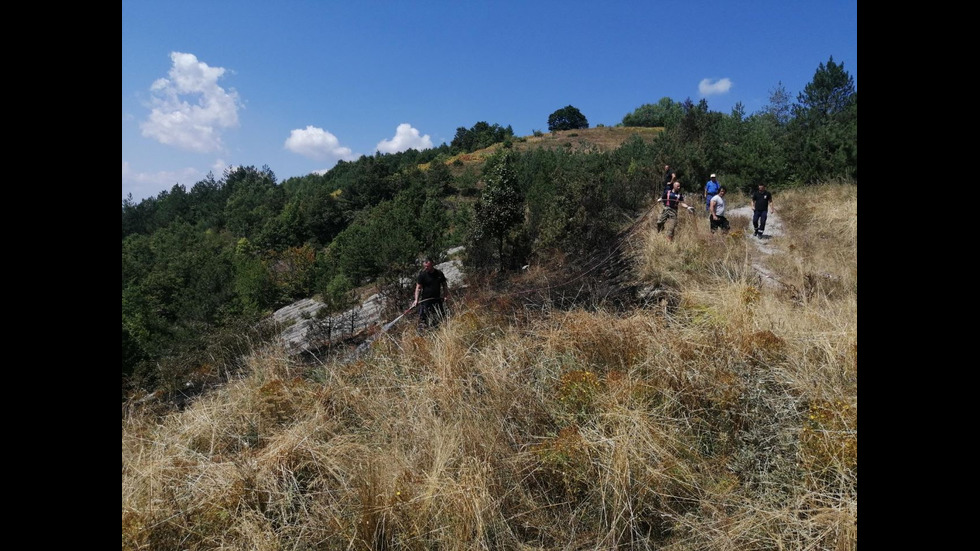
[(337, 295), (779, 107), (567, 118), (501, 205)]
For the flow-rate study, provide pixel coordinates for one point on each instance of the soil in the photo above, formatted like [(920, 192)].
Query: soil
[(768, 244)]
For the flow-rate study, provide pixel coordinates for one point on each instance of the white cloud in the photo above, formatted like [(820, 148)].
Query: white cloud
[(405, 138), (317, 144), (720, 86), (175, 120), (148, 184), (219, 167)]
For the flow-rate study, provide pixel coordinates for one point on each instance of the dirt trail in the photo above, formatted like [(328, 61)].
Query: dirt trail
[(770, 242)]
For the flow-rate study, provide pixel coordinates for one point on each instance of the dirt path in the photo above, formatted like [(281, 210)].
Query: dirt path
[(770, 243)]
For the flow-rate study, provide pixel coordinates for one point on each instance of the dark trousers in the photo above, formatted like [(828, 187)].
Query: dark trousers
[(431, 313), (759, 220), (721, 222)]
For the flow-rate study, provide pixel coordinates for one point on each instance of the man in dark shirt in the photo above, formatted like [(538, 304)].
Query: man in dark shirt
[(431, 289), (761, 207), (670, 176)]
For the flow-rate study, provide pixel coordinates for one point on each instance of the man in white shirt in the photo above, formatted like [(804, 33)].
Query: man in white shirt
[(716, 210)]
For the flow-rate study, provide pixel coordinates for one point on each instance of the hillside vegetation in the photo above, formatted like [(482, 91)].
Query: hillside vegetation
[(718, 412)]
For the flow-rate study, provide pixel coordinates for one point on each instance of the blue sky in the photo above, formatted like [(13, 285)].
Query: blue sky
[(299, 84)]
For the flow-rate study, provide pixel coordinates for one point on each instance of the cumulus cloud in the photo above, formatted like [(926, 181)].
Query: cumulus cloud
[(405, 138), (189, 109), (721, 86), (317, 144)]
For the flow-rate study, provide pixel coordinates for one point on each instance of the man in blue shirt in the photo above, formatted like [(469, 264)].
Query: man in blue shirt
[(710, 190)]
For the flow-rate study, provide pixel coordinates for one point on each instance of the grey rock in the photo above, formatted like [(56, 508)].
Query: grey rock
[(305, 325)]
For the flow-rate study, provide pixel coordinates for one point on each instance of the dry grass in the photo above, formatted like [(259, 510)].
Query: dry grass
[(728, 422)]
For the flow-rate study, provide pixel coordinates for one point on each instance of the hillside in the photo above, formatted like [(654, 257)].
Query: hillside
[(700, 394), (362, 320), (603, 138)]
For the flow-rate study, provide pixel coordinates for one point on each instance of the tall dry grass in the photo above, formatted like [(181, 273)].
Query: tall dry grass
[(726, 421)]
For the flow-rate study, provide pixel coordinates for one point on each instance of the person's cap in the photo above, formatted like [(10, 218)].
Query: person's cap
[(714, 175)]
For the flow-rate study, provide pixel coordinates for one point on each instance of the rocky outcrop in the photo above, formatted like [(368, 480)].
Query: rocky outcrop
[(306, 324)]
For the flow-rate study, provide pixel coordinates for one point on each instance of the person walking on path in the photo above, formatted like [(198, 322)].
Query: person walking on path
[(761, 207), (668, 216), (716, 211), (710, 190), (431, 290)]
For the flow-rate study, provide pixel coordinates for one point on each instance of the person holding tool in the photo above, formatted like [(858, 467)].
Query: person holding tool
[(668, 216), (431, 290)]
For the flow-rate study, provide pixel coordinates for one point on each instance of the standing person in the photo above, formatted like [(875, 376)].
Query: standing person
[(716, 211), (710, 190), (431, 289), (761, 207), (670, 200), (669, 178)]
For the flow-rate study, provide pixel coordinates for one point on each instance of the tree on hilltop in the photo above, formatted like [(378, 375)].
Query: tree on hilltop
[(655, 114), (567, 118)]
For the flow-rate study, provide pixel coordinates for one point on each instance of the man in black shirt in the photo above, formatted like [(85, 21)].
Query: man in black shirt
[(761, 207), (431, 289), (670, 176)]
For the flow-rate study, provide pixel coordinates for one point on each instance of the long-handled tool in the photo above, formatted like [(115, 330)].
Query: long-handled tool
[(384, 328), (388, 325), (391, 323)]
